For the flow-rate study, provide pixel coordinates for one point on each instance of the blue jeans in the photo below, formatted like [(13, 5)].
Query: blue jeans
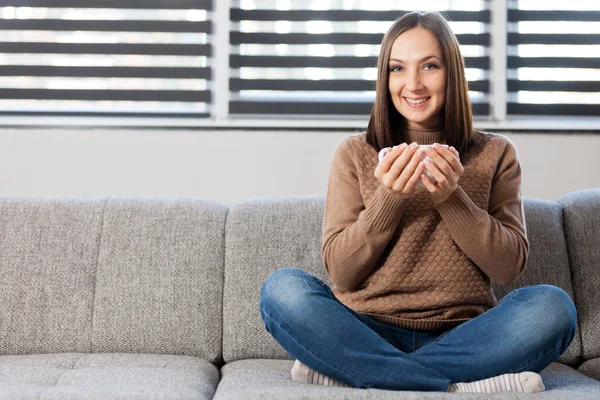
[(530, 328)]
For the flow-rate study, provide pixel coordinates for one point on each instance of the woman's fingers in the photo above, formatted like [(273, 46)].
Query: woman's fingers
[(454, 151), (403, 159), (451, 156), (407, 173), (400, 164), (401, 167), (416, 176), (427, 183), (442, 159), (388, 159), (437, 173)]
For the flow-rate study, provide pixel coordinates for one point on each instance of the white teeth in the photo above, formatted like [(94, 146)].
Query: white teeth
[(415, 102)]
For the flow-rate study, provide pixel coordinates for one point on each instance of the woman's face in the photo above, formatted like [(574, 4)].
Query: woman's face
[(417, 79)]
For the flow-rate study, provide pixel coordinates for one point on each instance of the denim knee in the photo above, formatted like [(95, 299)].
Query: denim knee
[(555, 307), (561, 303), (283, 289)]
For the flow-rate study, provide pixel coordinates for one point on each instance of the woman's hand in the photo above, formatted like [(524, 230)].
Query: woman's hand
[(446, 168), (400, 169)]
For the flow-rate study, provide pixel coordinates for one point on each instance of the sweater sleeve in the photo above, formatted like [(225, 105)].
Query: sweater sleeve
[(495, 240), (355, 234)]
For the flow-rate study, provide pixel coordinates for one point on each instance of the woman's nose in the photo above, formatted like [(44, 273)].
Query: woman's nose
[(413, 81)]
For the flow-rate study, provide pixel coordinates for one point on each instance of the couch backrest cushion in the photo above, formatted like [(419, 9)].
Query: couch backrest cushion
[(548, 261), (160, 278), (582, 231), (48, 253), (111, 275), (261, 236)]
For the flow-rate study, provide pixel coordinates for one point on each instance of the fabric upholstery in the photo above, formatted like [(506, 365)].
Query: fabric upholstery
[(272, 380), (582, 231), (264, 235), (106, 376), (48, 253), (160, 278), (591, 368), (548, 261), (111, 275)]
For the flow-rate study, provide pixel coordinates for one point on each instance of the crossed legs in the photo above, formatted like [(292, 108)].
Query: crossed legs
[(529, 329)]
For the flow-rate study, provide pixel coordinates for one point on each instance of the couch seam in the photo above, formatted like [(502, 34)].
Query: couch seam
[(96, 275), (580, 358), (222, 357)]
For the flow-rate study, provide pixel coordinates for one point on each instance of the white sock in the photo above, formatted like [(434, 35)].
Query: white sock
[(526, 382), (302, 373)]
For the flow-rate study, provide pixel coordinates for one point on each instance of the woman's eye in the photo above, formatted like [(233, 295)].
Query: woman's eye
[(430, 66), (395, 69)]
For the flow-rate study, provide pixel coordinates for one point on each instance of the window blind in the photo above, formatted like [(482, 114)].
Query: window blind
[(553, 58), (105, 57), (290, 58)]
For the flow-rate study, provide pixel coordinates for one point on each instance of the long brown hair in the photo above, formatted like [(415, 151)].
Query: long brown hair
[(385, 122)]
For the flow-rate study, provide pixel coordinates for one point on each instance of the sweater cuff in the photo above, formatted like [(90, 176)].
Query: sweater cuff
[(385, 210), (459, 211)]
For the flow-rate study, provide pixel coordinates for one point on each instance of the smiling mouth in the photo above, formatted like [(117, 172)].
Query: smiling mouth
[(416, 102)]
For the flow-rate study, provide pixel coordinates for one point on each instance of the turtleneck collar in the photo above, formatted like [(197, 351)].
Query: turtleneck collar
[(424, 136)]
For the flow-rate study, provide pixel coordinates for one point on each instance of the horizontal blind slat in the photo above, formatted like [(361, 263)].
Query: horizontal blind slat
[(323, 85), (118, 113), (301, 84), (552, 62), (553, 86), (554, 38), (552, 15), (261, 107), (317, 108), (238, 61), (554, 109), (120, 4), (115, 95), (237, 38), (106, 25), (344, 15), (167, 49), (106, 72)]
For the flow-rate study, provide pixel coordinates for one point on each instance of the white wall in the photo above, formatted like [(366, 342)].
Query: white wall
[(230, 166)]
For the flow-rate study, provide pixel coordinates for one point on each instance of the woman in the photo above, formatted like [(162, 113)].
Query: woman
[(411, 256)]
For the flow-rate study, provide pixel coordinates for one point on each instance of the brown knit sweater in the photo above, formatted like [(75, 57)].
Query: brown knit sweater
[(413, 264)]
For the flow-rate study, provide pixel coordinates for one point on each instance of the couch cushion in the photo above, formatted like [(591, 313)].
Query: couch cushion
[(106, 376), (160, 278), (261, 236), (48, 253), (582, 230), (591, 368), (548, 261), (271, 379)]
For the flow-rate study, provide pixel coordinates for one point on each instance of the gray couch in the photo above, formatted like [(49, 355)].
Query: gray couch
[(157, 298)]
